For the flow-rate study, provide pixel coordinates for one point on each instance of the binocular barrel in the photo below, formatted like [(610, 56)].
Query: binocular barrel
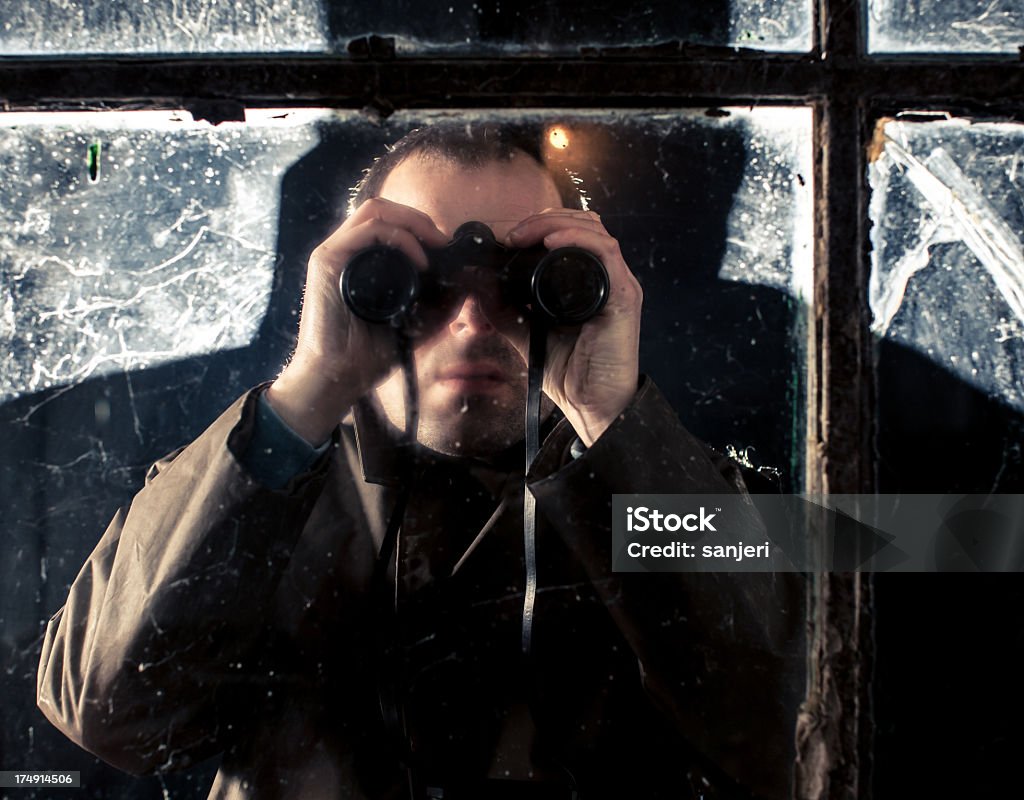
[(568, 285)]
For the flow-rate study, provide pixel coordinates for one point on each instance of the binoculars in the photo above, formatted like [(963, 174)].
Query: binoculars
[(568, 285)]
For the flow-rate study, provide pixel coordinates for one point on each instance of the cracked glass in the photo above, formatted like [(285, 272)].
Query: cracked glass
[(946, 294), (152, 270), (945, 26), (945, 291), (459, 26)]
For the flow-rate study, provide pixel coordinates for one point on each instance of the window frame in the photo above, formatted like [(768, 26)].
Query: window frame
[(848, 91)]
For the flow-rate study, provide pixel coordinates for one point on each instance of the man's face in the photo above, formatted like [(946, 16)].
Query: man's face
[(472, 381)]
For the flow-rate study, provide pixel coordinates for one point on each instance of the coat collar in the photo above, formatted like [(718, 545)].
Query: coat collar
[(378, 443)]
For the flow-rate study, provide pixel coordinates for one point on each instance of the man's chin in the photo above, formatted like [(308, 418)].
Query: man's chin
[(475, 435)]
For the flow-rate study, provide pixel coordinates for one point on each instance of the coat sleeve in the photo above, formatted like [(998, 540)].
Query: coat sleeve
[(144, 661), (720, 653)]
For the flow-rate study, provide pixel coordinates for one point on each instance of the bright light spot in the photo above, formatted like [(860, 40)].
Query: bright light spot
[(559, 138)]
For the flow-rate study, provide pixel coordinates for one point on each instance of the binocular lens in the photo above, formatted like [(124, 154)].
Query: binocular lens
[(380, 284), (570, 285)]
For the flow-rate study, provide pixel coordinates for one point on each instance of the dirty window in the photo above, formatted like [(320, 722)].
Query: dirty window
[(945, 26), (48, 27), (153, 266), (138, 239), (460, 26), (947, 294), (135, 239)]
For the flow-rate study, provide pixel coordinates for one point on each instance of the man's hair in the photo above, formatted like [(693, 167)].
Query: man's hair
[(471, 145)]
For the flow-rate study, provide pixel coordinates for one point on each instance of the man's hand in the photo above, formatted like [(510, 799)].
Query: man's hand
[(339, 357), (591, 372)]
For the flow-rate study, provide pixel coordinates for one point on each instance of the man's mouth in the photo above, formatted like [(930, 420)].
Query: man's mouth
[(473, 376)]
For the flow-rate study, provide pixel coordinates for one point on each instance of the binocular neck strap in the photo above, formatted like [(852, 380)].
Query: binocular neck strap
[(408, 445), (535, 381), (384, 593)]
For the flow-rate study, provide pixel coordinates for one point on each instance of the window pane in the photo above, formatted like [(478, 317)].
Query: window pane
[(135, 239), (53, 27), (946, 293), (152, 270), (945, 26), (947, 298), (143, 238), (46, 27)]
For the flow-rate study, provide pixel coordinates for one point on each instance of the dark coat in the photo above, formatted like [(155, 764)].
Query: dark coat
[(216, 615)]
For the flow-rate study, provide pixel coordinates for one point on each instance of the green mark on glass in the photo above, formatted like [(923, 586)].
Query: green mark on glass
[(93, 159)]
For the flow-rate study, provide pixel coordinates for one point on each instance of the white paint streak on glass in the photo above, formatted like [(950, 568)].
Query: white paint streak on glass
[(945, 26), (947, 275), (131, 239), (45, 27), (770, 225)]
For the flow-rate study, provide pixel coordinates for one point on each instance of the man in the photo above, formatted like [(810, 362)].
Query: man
[(234, 606)]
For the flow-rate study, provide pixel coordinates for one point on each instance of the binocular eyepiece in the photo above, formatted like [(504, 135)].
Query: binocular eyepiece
[(568, 285)]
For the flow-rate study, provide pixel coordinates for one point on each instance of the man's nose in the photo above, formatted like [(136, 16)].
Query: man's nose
[(471, 318)]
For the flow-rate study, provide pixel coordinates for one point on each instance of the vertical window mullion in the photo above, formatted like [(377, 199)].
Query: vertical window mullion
[(837, 718)]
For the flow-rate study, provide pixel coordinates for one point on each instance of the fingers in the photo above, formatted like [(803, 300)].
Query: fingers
[(375, 232), (534, 228), (382, 222), (417, 222), (625, 292), (330, 336), (563, 227)]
